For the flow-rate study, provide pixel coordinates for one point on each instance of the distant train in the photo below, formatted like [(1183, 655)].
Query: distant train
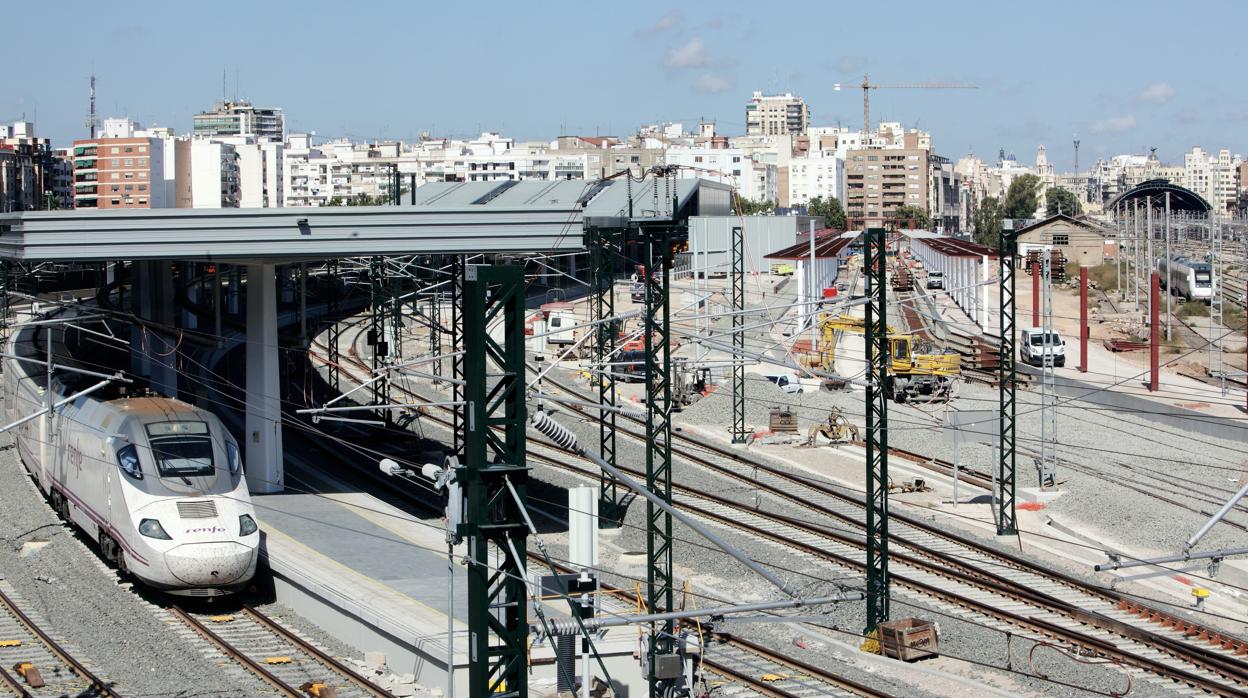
[(1188, 278), (156, 481)]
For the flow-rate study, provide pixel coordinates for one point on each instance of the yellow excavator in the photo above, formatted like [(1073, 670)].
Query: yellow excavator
[(915, 369)]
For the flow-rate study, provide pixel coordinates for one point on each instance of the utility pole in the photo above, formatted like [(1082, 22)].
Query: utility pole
[(878, 359), (1048, 384), (656, 327), (1006, 377), (1169, 291), (603, 248), (92, 122), (738, 335), (494, 479)]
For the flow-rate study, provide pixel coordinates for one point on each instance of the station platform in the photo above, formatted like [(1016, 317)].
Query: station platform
[(377, 578)]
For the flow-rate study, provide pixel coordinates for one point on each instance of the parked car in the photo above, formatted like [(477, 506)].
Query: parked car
[(1037, 348), (935, 279), (785, 383)]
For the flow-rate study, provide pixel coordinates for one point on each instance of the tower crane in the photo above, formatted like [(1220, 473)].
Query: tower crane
[(867, 86)]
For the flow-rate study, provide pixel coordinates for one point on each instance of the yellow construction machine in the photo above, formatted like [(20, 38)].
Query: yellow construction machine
[(916, 370)]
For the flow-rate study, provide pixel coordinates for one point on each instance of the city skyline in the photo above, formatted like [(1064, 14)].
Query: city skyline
[(537, 75)]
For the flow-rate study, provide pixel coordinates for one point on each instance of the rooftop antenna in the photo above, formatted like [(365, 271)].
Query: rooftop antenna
[(92, 122)]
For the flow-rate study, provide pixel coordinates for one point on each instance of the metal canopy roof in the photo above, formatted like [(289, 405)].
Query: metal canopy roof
[(446, 218), (1181, 198), (829, 243)]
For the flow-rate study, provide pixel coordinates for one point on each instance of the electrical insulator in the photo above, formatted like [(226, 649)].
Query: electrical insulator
[(555, 431)]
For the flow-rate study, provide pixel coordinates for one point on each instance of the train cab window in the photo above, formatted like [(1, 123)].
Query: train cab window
[(181, 449)]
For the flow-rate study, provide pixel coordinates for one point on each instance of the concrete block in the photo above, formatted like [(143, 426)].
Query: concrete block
[(375, 660)]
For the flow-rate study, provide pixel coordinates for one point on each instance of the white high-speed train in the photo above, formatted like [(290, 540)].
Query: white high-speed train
[(1188, 278), (156, 481)]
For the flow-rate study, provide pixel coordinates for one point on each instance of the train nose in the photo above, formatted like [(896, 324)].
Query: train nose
[(210, 564)]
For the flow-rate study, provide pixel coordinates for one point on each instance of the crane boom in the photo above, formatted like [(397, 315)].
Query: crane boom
[(867, 86)]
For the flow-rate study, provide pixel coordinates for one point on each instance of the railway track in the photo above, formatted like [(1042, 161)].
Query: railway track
[(33, 664), (740, 662), (289, 664), (996, 585)]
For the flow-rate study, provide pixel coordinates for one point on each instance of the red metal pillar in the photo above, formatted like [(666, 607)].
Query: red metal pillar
[(1035, 294), (1154, 349), (1084, 331)]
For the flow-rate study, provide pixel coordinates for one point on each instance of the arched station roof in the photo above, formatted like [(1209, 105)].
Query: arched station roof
[(1181, 198)]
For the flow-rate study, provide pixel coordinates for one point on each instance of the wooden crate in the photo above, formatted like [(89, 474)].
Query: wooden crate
[(908, 639)]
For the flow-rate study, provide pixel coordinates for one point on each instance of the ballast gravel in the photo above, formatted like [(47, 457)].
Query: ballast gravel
[(119, 634)]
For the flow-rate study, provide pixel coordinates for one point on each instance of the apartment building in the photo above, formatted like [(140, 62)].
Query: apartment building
[(27, 168), (755, 180), (240, 119), (214, 175), (776, 115), (878, 181), (814, 176), (1214, 177), (119, 172)]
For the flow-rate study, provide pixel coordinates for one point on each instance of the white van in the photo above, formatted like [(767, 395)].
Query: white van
[(1035, 348)]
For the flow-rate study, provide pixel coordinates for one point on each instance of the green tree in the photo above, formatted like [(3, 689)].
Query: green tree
[(906, 213), (987, 222), (746, 207), (1022, 199), (831, 210), (1059, 200)]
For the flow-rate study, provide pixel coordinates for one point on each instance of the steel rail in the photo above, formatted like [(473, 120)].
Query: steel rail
[(1182, 651), (235, 654), (774, 656), (95, 683), (317, 654)]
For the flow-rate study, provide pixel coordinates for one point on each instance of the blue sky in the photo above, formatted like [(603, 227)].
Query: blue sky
[(1123, 76)]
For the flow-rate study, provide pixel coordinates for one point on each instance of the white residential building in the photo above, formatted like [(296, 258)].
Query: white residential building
[(815, 176), (1213, 177), (214, 175), (753, 180)]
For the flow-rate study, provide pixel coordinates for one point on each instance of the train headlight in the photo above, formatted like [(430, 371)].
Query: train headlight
[(236, 462), (128, 459), (246, 525), (152, 529)]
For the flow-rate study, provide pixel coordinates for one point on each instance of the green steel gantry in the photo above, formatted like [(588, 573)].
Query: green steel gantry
[(656, 238), (494, 467), (878, 357), (604, 250)]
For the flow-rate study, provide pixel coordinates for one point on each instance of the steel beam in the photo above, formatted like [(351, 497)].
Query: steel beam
[(656, 328), (1006, 381), (494, 479), (603, 245), (377, 334), (738, 333), (878, 359)]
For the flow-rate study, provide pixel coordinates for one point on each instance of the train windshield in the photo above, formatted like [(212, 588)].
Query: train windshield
[(1202, 278), (181, 449)]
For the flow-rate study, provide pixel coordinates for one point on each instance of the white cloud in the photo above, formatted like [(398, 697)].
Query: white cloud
[(713, 82), (1114, 124), (1157, 93), (671, 20), (691, 54)]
